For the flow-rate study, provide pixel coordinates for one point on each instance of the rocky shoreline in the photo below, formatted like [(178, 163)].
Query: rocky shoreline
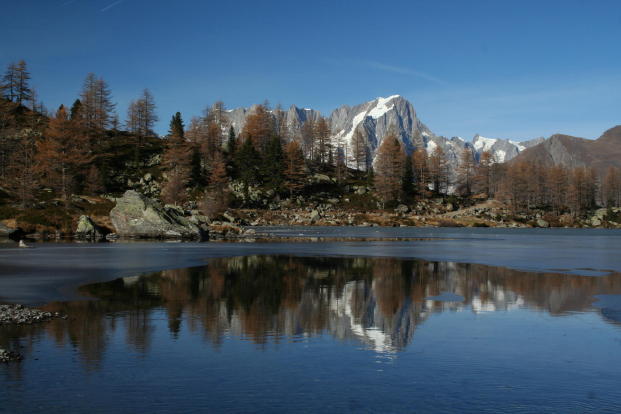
[(22, 315), (135, 216)]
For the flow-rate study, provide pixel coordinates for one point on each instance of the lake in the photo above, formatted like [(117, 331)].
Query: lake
[(449, 320)]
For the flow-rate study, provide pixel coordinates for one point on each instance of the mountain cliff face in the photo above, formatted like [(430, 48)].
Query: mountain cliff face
[(376, 118), (574, 152)]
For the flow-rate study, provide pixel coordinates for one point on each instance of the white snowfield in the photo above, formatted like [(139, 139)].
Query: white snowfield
[(483, 144)]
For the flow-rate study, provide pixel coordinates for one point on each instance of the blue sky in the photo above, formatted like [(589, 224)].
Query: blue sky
[(506, 69)]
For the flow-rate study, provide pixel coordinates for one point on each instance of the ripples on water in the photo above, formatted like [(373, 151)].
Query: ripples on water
[(281, 333)]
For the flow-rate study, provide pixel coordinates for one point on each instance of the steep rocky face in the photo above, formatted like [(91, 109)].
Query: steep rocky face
[(376, 118), (502, 149), (294, 117)]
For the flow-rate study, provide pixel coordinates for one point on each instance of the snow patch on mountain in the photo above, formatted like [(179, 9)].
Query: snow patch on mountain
[(483, 144)]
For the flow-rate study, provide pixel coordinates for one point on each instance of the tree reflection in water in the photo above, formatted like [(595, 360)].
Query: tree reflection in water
[(378, 302)]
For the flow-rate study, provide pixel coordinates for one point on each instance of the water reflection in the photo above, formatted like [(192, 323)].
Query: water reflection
[(376, 302)]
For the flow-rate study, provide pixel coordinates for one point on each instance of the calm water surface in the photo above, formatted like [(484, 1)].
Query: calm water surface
[(283, 333)]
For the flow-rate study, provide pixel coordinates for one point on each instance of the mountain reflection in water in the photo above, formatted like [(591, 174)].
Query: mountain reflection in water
[(378, 302)]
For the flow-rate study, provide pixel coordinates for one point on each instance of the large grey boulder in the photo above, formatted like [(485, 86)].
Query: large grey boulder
[(87, 229), (137, 216)]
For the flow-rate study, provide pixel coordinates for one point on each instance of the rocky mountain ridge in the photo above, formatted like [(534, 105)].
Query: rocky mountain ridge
[(376, 118), (571, 152)]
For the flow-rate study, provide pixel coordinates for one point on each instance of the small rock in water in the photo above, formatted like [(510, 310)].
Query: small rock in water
[(8, 356)]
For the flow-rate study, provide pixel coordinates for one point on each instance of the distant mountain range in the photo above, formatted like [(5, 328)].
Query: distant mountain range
[(573, 152), (376, 118)]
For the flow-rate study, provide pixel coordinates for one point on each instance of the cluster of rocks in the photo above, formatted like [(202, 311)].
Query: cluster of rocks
[(610, 217), (22, 315)]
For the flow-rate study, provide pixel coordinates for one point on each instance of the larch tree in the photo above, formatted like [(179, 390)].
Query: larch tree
[(611, 188), (96, 103), (141, 118), (9, 83), (483, 174), (294, 167), (22, 168), (322, 135), (556, 178), (308, 138), (466, 172), (176, 163), (360, 150), (62, 154), (216, 198), (259, 127), (389, 168), (22, 81), (420, 169), (439, 170), (407, 183)]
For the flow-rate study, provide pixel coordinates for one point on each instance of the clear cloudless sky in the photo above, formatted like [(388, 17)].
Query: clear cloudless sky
[(510, 69)]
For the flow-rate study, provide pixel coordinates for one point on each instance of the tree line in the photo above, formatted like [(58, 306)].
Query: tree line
[(87, 149)]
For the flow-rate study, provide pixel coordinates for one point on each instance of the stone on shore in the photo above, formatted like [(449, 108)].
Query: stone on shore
[(88, 230), (137, 216)]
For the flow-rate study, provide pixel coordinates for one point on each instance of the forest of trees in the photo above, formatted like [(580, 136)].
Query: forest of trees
[(86, 149)]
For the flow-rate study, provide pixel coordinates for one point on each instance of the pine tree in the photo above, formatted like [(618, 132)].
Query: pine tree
[(247, 159), (76, 111), (231, 143), (176, 128), (272, 166)]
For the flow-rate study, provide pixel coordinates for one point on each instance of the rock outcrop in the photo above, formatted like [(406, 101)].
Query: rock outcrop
[(136, 216), (88, 230)]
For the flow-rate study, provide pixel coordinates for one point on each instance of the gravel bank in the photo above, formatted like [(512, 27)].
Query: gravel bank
[(22, 315)]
